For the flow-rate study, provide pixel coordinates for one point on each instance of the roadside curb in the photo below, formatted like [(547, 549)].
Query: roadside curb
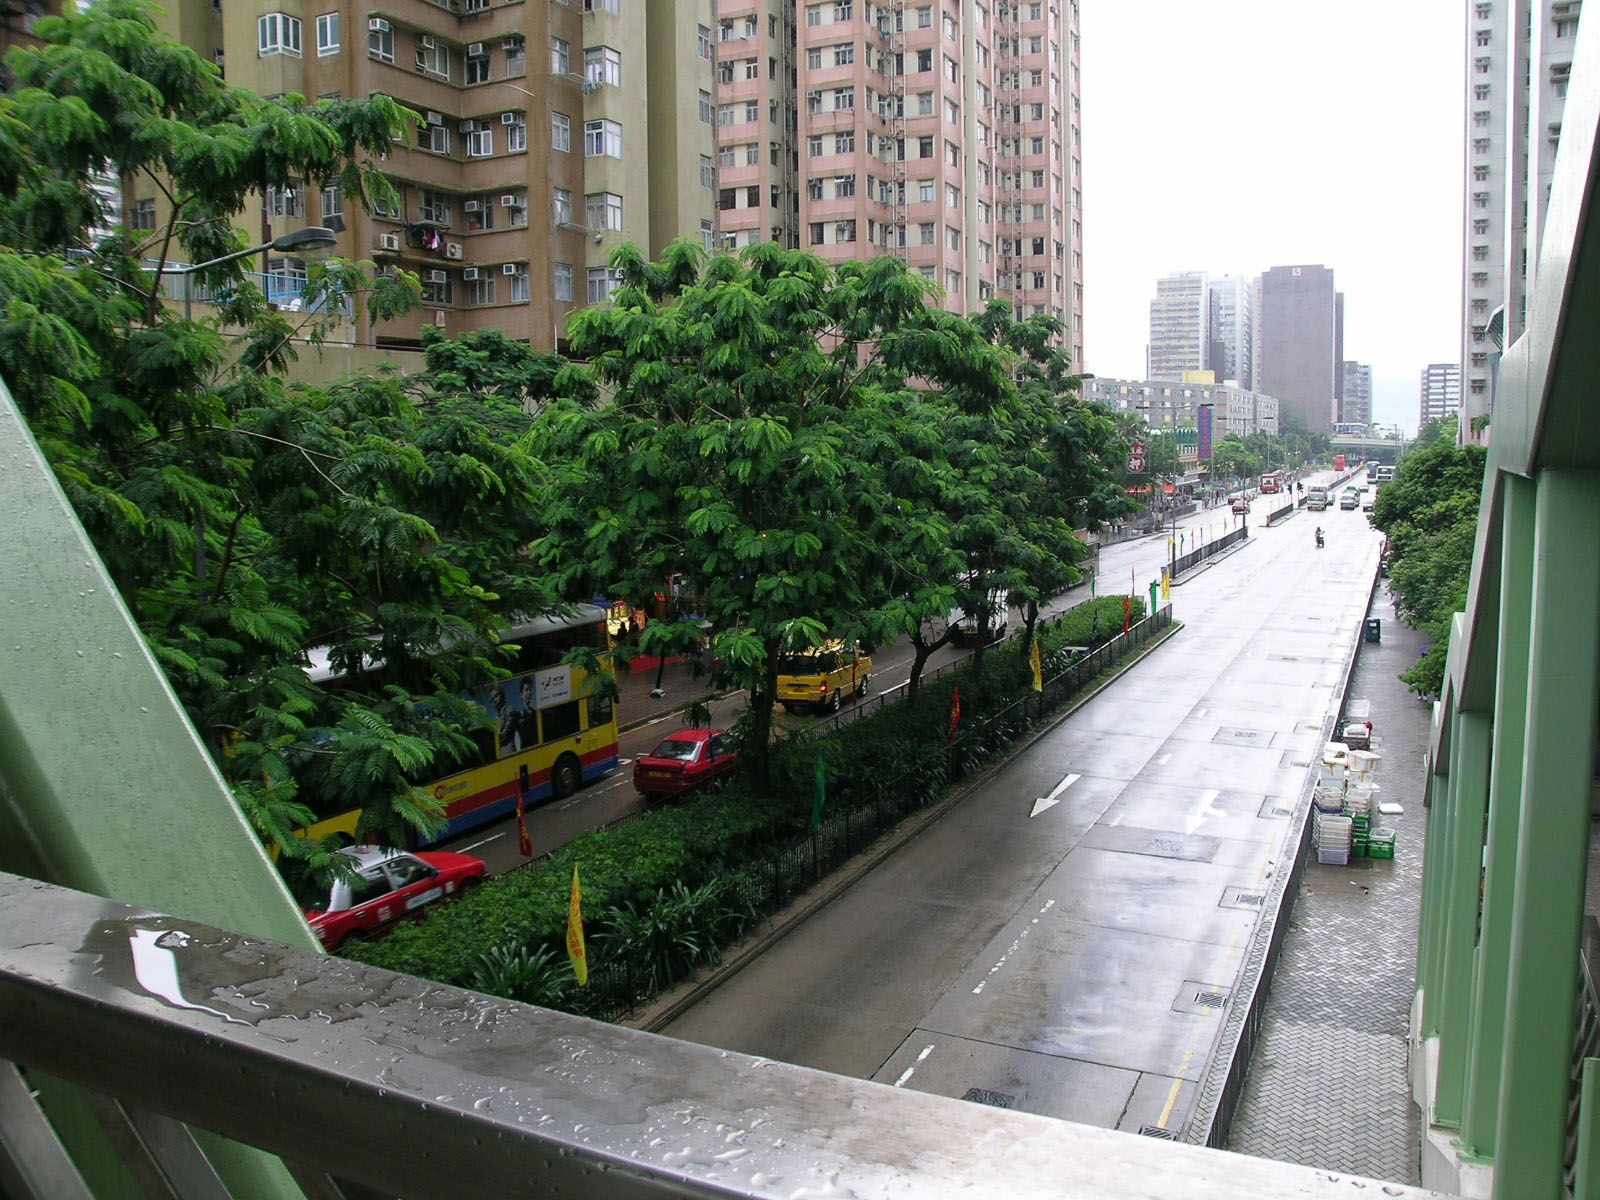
[(686, 995)]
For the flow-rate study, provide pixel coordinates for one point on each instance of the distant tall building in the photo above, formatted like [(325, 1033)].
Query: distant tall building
[(948, 135), (1518, 60), (1232, 353), (1180, 326), (1356, 408), (1441, 392), (1299, 345)]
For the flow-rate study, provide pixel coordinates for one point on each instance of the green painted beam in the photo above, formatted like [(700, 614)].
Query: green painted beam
[(104, 785), (1505, 809), (1430, 937), (1469, 801), (1552, 838)]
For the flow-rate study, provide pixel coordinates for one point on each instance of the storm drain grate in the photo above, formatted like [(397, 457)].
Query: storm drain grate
[(992, 1099), (1211, 999), (1253, 899), (1156, 1131)]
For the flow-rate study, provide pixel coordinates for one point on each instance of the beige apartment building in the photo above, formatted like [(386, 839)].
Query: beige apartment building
[(547, 134), (551, 131)]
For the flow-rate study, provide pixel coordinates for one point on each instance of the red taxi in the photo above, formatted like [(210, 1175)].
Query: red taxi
[(387, 885), (685, 760)]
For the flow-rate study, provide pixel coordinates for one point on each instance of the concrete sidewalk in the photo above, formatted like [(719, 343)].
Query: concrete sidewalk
[(1327, 1085)]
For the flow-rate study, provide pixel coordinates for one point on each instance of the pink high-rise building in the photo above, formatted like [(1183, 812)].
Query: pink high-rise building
[(945, 132)]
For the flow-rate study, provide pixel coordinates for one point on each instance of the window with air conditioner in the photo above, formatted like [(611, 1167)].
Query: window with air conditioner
[(480, 213), (476, 70), (438, 288), (380, 40), (277, 33), (433, 57)]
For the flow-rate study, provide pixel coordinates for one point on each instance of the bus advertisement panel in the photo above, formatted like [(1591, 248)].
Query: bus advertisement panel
[(547, 731)]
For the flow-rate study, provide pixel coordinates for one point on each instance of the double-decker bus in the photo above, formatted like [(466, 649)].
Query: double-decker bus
[(1272, 481), (547, 732)]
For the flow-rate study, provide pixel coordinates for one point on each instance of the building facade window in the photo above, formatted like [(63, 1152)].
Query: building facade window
[(480, 141), (708, 172), (561, 205), (603, 65), (144, 214), (327, 34), (277, 33), (560, 131), (603, 210), (380, 40), (332, 204), (563, 282), (602, 139), (705, 107), (480, 288), (560, 57), (601, 284)]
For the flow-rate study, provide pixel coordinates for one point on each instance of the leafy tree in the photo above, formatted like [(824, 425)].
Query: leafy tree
[(1233, 457), (749, 449), (1430, 513), (244, 523)]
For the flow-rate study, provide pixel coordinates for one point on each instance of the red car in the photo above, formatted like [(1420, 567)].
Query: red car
[(685, 760), (387, 886)]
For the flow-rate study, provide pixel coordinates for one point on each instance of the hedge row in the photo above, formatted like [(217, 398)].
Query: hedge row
[(664, 893)]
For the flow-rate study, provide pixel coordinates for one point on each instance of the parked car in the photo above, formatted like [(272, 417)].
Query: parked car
[(822, 676), (683, 761), (1240, 505), (386, 886)]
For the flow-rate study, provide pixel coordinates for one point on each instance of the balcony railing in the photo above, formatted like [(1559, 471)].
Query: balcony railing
[(363, 1079)]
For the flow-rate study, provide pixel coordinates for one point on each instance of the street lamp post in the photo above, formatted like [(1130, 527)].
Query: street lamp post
[(312, 237)]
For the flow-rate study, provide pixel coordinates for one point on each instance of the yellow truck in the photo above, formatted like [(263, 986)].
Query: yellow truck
[(821, 677)]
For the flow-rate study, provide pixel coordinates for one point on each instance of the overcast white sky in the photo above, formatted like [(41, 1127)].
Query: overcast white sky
[(1237, 135)]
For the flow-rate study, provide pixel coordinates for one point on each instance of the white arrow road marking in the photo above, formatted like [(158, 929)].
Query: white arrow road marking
[(1050, 801), (1203, 810)]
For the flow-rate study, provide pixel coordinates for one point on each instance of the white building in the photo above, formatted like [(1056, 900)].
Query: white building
[(1164, 404), (1180, 326), (1516, 91), (1232, 350)]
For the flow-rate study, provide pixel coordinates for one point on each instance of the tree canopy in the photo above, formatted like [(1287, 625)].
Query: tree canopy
[(1430, 513), (247, 523)]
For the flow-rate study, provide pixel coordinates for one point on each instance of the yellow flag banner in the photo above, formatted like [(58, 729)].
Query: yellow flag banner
[(1166, 585), (1038, 668), (575, 947)]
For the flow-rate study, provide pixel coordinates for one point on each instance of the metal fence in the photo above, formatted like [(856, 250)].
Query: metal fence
[(1279, 514), (1187, 562)]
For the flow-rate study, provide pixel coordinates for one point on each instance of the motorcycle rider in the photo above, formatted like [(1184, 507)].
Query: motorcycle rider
[(1319, 537)]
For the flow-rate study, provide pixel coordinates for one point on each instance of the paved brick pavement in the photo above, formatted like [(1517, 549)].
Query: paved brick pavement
[(1327, 1086)]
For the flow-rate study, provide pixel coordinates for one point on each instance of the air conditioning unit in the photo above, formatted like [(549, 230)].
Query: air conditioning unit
[(509, 200), (389, 242), (438, 317), (511, 43), (424, 41), (475, 50), (466, 126), (452, 250), (509, 118), (433, 118), (378, 25), (472, 275), (474, 206), (509, 269), (438, 276)]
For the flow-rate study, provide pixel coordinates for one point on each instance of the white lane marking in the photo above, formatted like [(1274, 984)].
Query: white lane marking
[(1012, 949), (1051, 800), (493, 837), (911, 1070), (1203, 810), (1163, 759)]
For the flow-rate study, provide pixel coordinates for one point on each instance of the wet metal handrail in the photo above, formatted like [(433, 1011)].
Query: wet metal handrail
[(428, 1091)]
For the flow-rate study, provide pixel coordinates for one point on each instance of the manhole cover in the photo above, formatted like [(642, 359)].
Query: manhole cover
[(1157, 1131), (1210, 999), (992, 1099), (1244, 737)]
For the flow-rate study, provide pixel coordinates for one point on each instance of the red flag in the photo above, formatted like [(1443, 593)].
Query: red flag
[(955, 713), (524, 842), (1127, 613)]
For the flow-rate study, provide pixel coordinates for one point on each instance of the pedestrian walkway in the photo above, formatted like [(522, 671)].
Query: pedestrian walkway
[(636, 705), (1327, 1086)]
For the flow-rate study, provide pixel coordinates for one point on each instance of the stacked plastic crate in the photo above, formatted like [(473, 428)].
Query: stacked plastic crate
[(1331, 829), (1345, 799)]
